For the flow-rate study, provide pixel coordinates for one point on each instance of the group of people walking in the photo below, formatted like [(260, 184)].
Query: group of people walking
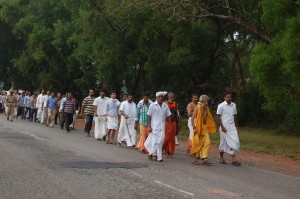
[(46, 108), (158, 121)]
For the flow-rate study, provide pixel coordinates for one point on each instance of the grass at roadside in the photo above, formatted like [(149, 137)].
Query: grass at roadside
[(257, 140)]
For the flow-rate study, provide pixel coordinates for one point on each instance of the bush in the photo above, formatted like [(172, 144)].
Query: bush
[(291, 123)]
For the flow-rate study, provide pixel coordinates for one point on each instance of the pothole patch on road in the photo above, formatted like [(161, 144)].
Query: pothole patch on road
[(102, 165)]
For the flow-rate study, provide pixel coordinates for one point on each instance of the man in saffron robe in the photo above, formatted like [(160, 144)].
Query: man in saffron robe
[(169, 142), (203, 125)]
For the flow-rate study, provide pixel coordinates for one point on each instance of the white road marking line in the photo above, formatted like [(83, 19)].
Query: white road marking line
[(188, 193), (134, 173), (32, 136)]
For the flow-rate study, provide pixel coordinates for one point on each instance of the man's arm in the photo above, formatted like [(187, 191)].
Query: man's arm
[(137, 117), (82, 108), (124, 114), (63, 107), (15, 102), (170, 123), (236, 123), (149, 123), (95, 111), (194, 115), (74, 108), (189, 110), (221, 124)]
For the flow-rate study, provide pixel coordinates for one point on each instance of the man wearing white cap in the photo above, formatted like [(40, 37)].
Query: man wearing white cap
[(157, 114)]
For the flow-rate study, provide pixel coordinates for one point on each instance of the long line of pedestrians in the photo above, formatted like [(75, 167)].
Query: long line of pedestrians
[(158, 121)]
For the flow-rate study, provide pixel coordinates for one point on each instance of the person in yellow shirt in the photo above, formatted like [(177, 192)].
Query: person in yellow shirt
[(203, 125)]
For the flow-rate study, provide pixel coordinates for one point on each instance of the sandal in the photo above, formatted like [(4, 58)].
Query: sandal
[(206, 163), (160, 160), (222, 162), (169, 156), (236, 163), (188, 152), (150, 157), (195, 162)]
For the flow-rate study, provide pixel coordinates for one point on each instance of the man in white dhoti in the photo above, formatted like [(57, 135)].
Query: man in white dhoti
[(112, 114), (40, 102), (45, 112), (100, 119), (229, 139), (157, 114), (127, 130)]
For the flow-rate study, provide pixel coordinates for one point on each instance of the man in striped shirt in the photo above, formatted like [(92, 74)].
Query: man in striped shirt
[(141, 118), (69, 108), (88, 109)]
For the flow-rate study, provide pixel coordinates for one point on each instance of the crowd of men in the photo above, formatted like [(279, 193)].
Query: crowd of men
[(158, 122)]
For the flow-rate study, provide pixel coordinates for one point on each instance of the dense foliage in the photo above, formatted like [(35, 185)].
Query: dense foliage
[(248, 47)]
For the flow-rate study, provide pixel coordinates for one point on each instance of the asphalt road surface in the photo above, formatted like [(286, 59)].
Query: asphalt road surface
[(40, 162)]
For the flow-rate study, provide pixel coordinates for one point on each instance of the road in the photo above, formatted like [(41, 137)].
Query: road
[(41, 162)]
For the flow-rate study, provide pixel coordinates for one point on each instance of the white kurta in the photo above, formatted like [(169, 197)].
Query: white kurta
[(229, 141), (39, 103), (44, 114), (100, 123), (16, 109), (155, 139), (127, 131)]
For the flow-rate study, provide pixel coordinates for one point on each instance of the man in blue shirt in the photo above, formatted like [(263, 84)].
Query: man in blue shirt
[(51, 109), (21, 106)]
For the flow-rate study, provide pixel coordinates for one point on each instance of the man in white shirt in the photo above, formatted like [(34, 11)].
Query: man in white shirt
[(40, 102), (61, 107), (157, 114), (229, 139), (127, 131), (45, 112), (99, 113)]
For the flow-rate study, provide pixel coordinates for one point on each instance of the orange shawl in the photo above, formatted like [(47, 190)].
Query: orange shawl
[(210, 124)]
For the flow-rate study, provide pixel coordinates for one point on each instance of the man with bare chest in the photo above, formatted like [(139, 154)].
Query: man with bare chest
[(190, 109)]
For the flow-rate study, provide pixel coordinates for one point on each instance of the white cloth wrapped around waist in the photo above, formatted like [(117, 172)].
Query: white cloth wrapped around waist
[(154, 140), (229, 140)]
